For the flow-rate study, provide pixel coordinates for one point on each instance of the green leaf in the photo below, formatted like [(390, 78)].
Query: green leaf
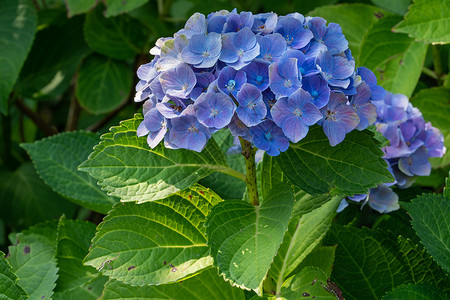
[(128, 168), (271, 175), (205, 286), (120, 37), (367, 263), (380, 44), (303, 235), (321, 257), (414, 292), (307, 284), (427, 21), (169, 231), (113, 7), (396, 59), (401, 74), (9, 289), (421, 266), (56, 159), (244, 238), (103, 84), (18, 20), (76, 7), (225, 186), (305, 203), (434, 104), (74, 238), (25, 199), (354, 19), (398, 6), (430, 215), (89, 291), (33, 260), (316, 167), (48, 71)]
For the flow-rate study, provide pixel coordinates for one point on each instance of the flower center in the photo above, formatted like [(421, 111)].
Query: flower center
[(267, 57), (297, 112), (230, 85), (302, 71), (288, 83), (268, 135), (214, 112), (240, 52), (205, 54), (259, 78), (314, 94), (193, 129)]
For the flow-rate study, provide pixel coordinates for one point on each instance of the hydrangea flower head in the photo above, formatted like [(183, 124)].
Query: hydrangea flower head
[(411, 143), (265, 77)]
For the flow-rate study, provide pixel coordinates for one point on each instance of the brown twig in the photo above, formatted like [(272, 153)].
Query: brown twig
[(46, 128), (74, 113)]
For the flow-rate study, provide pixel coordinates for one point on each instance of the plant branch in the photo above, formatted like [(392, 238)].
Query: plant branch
[(437, 62), (46, 128), (74, 113), (250, 178), (429, 72)]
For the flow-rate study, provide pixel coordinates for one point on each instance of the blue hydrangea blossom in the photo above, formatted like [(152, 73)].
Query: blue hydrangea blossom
[(252, 74)]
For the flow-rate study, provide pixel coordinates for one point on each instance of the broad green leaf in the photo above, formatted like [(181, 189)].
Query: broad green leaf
[(414, 292), (128, 168), (207, 285), (155, 242), (430, 215), (271, 175), (427, 21), (48, 71), (245, 238), (303, 235), (103, 84), (309, 283), (114, 7), (73, 241), (354, 19), (380, 44), (33, 260), (25, 199), (398, 6), (9, 289), (18, 20), (91, 290), (316, 167), (434, 104), (75, 7), (401, 74), (422, 268), (120, 37), (305, 203), (396, 59), (56, 159), (367, 264), (321, 257), (225, 186)]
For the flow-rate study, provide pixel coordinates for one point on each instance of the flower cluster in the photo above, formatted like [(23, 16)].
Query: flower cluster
[(265, 77), (411, 142)]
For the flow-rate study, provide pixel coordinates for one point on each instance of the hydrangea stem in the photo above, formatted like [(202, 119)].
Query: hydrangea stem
[(250, 177)]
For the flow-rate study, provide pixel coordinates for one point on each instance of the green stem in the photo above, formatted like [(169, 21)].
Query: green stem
[(230, 171), (429, 72), (250, 166), (437, 62)]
